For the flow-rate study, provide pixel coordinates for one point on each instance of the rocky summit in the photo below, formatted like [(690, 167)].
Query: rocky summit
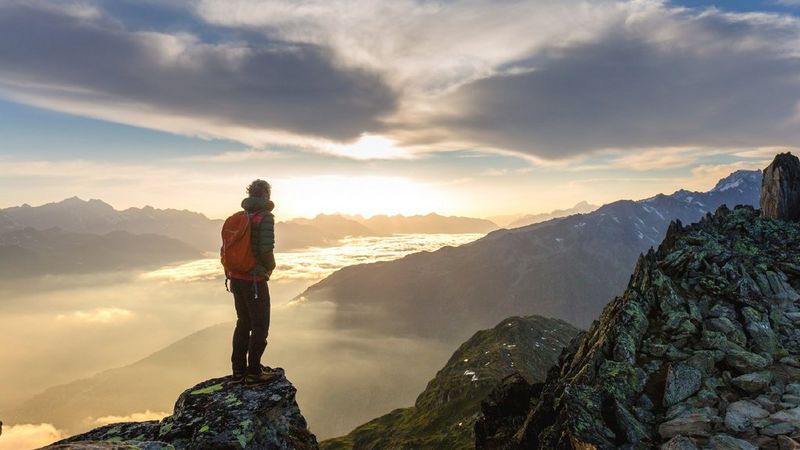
[(215, 414), (780, 188), (702, 351)]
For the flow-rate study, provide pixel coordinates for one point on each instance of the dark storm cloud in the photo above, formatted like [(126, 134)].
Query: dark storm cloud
[(719, 81), (264, 85)]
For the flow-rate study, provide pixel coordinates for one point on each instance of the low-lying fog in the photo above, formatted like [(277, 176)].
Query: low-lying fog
[(59, 329)]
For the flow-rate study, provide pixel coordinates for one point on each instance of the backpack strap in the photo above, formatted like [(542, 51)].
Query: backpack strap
[(259, 213)]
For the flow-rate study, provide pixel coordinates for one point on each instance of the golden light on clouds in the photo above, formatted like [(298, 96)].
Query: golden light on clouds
[(27, 436), (135, 417), (97, 315), (369, 146)]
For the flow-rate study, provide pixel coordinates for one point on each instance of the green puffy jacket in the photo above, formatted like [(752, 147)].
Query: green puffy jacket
[(262, 235)]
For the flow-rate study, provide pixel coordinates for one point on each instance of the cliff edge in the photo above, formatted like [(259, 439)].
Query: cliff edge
[(215, 414)]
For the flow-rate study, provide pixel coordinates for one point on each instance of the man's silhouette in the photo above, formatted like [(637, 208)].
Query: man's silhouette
[(250, 291)]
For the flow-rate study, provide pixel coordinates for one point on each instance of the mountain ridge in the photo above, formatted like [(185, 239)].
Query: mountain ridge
[(581, 207), (510, 272), (95, 216)]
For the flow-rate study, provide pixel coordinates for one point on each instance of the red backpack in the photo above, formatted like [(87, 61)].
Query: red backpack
[(236, 253)]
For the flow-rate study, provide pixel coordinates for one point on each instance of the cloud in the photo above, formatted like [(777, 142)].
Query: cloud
[(27, 436), (557, 79), (135, 417), (235, 89), (314, 264), (98, 315), (421, 47), (547, 80), (765, 153), (661, 79), (660, 159), (238, 156), (707, 175)]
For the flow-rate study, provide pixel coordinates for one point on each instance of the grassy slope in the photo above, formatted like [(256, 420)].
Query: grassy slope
[(444, 415)]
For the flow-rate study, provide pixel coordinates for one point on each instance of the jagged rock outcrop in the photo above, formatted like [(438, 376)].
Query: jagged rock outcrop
[(444, 414), (702, 351), (780, 188), (215, 414)]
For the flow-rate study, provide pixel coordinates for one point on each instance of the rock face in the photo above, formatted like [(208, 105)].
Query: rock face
[(444, 414), (215, 414), (780, 188), (700, 352)]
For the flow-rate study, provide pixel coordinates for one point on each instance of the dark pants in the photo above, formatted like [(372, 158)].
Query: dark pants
[(252, 325)]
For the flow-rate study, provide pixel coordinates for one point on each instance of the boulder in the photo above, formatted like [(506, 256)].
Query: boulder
[(215, 414), (753, 382), (679, 443), (742, 414), (745, 361), (682, 382), (780, 188), (696, 424), (777, 428), (787, 443), (725, 442), (787, 415)]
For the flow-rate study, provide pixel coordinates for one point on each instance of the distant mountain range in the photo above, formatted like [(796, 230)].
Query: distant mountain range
[(197, 230), (29, 252), (530, 219), (444, 415), (98, 217), (428, 224), (566, 268), (328, 229)]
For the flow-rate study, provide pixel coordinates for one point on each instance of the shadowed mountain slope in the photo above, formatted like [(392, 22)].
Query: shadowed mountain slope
[(444, 414), (566, 268), (29, 252), (530, 219)]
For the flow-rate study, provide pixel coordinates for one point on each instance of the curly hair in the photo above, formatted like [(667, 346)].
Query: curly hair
[(259, 188)]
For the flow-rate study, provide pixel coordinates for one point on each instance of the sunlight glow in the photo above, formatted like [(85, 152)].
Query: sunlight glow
[(365, 195), (369, 146)]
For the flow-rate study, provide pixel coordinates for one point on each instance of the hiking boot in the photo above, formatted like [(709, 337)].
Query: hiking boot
[(237, 377), (263, 377)]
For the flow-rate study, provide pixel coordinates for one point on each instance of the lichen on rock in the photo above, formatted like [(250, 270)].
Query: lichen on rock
[(215, 414)]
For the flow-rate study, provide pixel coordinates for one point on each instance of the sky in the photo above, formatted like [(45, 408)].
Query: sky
[(462, 107)]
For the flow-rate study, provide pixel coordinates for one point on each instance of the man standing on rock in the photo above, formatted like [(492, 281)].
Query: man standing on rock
[(248, 243)]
